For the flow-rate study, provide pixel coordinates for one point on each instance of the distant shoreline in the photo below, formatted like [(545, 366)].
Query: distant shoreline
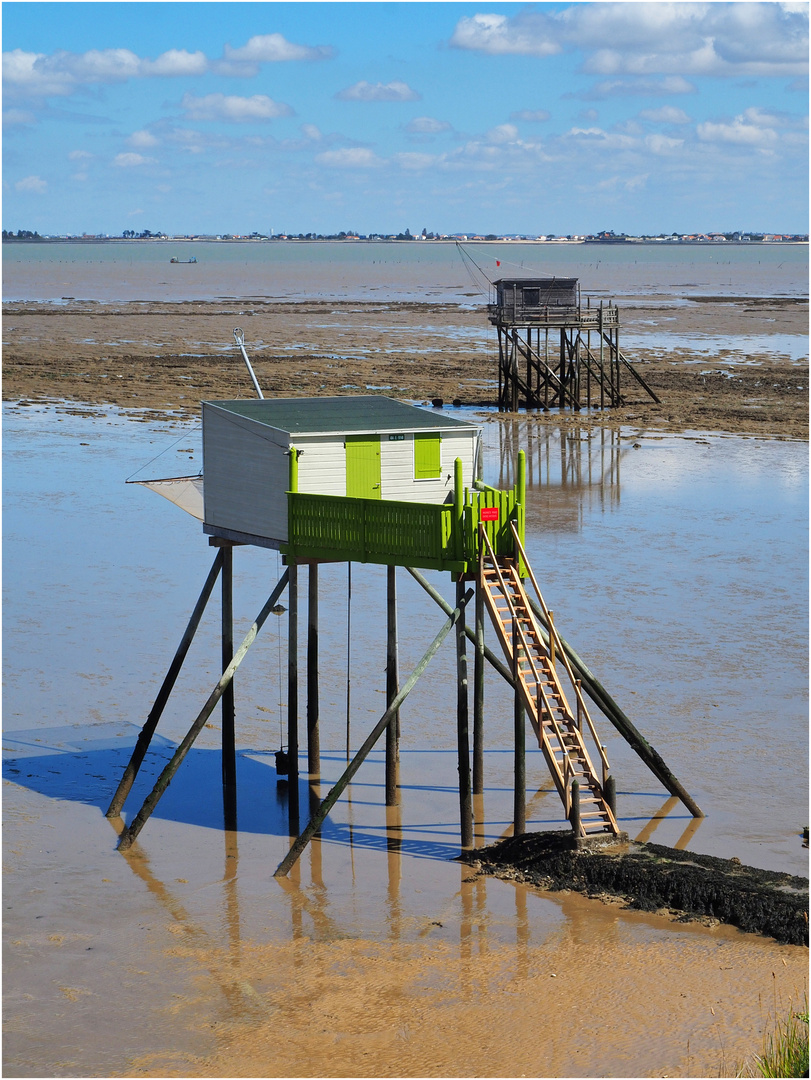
[(470, 240)]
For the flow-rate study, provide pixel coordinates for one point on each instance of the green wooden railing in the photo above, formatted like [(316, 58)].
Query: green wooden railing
[(427, 535)]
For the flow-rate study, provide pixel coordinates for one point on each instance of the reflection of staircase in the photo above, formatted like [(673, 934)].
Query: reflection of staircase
[(534, 657)]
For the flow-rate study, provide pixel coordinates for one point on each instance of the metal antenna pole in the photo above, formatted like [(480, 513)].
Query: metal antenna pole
[(239, 338)]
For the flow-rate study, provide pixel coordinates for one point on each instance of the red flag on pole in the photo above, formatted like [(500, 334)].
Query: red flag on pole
[(498, 263)]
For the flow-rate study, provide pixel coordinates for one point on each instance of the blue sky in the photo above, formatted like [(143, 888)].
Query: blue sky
[(496, 117)]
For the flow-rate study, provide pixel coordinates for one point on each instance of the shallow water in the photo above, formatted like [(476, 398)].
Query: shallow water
[(393, 272), (677, 566)]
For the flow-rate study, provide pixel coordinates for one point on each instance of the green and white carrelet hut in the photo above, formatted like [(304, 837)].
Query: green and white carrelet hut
[(364, 478)]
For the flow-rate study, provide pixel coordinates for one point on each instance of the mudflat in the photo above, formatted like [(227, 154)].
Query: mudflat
[(717, 363)]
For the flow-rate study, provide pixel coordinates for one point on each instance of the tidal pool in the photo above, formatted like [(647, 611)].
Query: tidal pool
[(676, 565)]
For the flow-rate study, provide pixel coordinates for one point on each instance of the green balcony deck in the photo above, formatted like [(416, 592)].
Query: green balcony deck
[(425, 535)]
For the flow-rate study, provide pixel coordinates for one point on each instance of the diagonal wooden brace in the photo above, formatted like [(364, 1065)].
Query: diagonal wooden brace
[(151, 801)]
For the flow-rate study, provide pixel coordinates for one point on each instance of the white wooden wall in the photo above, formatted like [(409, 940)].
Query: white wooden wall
[(246, 475)]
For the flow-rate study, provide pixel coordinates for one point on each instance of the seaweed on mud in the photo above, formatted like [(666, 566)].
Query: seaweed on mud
[(651, 877)]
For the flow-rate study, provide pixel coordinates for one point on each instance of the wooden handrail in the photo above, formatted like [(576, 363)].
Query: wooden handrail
[(558, 733), (553, 633)]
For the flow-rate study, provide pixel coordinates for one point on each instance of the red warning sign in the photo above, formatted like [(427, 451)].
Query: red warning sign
[(488, 513)]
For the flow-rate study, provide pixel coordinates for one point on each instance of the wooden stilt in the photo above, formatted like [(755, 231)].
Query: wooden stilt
[(610, 793), (574, 812), (334, 794), (292, 697), (151, 801), (520, 792), (229, 754), (313, 735), (478, 694), (148, 730), (462, 735), (392, 686)]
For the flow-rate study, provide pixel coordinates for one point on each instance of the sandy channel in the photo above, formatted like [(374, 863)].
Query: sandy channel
[(717, 364)]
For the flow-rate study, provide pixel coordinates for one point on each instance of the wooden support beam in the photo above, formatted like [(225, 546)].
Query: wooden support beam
[(148, 730), (151, 801), (313, 735), (229, 753), (292, 695), (462, 735), (606, 703), (520, 764), (478, 694), (440, 600), (291, 858), (392, 686)]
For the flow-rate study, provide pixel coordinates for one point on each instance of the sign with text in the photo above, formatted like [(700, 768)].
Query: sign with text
[(488, 513)]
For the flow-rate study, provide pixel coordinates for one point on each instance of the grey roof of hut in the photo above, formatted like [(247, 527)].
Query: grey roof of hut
[(367, 414)]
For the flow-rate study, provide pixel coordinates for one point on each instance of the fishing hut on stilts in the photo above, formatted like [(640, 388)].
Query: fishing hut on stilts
[(369, 479), (555, 353)]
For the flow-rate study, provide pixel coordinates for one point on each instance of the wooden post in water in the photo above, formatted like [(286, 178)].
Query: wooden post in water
[(478, 692), (313, 736), (462, 735), (151, 801), (229, 758), (610, 793), (291, 858), (520, 792), (292, 694), (392, 687), (574, 813), (148, 730)]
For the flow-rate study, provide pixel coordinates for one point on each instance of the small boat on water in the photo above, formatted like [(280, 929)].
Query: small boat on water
[(191, 260)]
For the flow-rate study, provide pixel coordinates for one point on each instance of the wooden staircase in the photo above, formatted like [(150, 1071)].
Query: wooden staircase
[(534, 656)]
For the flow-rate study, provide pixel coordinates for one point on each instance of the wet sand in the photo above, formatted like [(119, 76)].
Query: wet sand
[(720, 363)]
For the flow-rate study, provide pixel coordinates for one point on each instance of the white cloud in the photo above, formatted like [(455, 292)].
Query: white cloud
[(668, 114), (130, 161), (426, 125), (311, 132), (739, 131), (40, 75), (174, 63), (79, 155), (532, 116), (142, 140), (32, 183), (500, 35), (652, 38), (364, 91), (503, 133), (670, 84), (662, 144), (272, 49), (233, 109), (357, 157), (18, 117), (414, 162)]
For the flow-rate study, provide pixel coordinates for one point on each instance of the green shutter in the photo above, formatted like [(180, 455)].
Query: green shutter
[(427, 465)]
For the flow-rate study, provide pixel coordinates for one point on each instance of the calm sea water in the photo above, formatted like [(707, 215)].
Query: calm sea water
[(391, 271), (677, 566)]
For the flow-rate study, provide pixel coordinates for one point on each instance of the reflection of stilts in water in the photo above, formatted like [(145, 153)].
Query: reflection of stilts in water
[(394, 858), (664, 810), (241, 997), (522, 931), (532, 806)]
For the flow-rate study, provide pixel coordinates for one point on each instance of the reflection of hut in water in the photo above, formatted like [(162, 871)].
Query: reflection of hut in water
[(553, 352)]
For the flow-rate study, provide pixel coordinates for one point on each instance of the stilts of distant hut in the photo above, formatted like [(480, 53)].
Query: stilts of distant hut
[(553, 352), (369, 479)]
